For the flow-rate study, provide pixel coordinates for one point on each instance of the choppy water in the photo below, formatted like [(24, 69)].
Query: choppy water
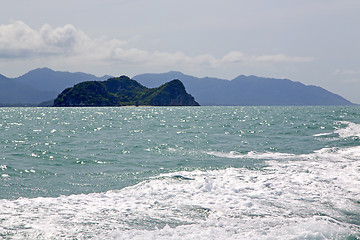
[(180, 173)]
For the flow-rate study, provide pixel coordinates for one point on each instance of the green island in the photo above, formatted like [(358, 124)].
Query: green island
[(123, 91)]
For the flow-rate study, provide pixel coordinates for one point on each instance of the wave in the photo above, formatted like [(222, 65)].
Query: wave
[(335, 153), (309, 196), (251, 155), (351, 130)]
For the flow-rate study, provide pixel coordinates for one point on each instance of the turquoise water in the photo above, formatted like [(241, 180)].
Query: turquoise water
[(180, 173)]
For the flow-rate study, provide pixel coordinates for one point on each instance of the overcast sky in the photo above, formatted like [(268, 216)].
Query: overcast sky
[(315, 42)]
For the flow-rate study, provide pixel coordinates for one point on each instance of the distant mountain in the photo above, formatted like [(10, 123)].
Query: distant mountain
[(123, 91), (2, 77), (247, 90), (13, 93), (44, 84), (46, 79), (39, 85)]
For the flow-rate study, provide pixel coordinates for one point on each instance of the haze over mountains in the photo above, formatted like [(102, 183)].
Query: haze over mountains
[(44, 84), (46, 79), (247, 90), (39, 85)]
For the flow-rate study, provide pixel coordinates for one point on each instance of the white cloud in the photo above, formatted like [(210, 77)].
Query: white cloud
[(234, 57), (346, 72), (347, 76), (18, 40), (350, 80), (61, 38)]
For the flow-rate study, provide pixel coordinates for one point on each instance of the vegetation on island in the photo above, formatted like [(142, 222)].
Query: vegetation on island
[(123, 91)]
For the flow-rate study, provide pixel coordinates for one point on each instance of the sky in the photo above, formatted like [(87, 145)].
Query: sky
[(315, 42)]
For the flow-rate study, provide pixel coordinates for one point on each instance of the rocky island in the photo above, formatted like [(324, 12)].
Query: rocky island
[(123, 91)]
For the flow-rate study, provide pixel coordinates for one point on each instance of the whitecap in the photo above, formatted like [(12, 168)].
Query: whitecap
[(251, 155), (352, 130), (322, 134)]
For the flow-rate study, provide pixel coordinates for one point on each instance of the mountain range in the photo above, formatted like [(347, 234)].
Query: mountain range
[(39, 85), (247, 90), (44, 84)]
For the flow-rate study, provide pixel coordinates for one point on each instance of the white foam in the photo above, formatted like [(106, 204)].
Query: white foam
[(322, 134), (251, 155), (310, 196), (352, 130)]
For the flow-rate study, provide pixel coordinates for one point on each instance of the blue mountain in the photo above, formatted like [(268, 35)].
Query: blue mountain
[(13, 93), (46, 79), (44, 84), (247, 90), (39, 85)]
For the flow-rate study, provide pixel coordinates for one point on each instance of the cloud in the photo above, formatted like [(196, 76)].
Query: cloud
[(60, 38), (19, 41), (351, 80), (346, 72), (348, 75), (235, 57)]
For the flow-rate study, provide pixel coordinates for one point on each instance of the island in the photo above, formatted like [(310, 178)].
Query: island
[(123, 91)]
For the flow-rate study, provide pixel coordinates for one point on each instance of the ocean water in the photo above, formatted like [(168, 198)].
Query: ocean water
[(180, 173)]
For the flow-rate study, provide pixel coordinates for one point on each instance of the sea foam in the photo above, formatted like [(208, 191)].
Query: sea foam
[(351, 130), (311, 196)]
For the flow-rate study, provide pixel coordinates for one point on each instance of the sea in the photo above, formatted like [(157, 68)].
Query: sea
[(180, 173)]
